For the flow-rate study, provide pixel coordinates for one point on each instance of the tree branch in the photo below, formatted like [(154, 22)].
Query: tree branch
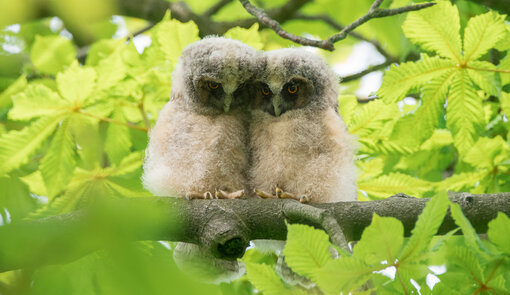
[(366, 71), (328, 44), (225, 227)]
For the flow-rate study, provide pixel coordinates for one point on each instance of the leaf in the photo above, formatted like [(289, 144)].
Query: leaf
[(173, 36), (393, 183), (426, 227), (504, 65), (482, 33), (263, 277), (499, 232), (470, 237), (346, 106), (486, 80), (487, 152), (464, 113), (306, 249), (15, 198), (466, 258), (76, 83), (505, 103), (249, 36), (50, 54), (461, 181), (36, 183), (103, 49), (58, 164), (436, 29), (18, 146), (118, 139), (401, 79), (380, 241), (16, 87), (36, 101), (371, 117), (343, 275), (110, 71)]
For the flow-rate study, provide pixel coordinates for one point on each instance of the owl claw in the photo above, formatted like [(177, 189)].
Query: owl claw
[(201, 196), (264, 195), (281, 194), (220, 194)]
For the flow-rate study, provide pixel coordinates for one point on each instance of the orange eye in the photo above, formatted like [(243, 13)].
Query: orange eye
[(265, 90), (213, 85), (292, 88)]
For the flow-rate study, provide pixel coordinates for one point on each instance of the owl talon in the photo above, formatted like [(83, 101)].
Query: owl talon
[(264, 195), (220, 194), (281, 194), (304, 199)]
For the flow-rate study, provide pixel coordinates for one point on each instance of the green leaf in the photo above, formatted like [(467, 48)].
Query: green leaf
[(462, 181), (499, 232), (36, 101), (346, 106), (380, 241), (344, 275), (505, 103), (50, 54), (470, 237), (486, 80), (249, 36), (393, 183), (465, 115), (487, 152), (399, 80), (504, 65), (103, 49), (482, 33), (18, 146), (16, 87), (36, 183), (426, 227), (110, 71), (371, 117), (76, 83), (118, 139), (436, 29), (464, 257), (58, 164), (306, 249), (263, 277), (15, 198), (173, 36)]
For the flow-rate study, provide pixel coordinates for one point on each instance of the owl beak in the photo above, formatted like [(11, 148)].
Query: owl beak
[(227, 102), (277, 105)]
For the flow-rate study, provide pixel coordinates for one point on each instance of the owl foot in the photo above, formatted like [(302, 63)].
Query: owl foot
[(281, 194), (202, 196), (264, 195), (220, 194)]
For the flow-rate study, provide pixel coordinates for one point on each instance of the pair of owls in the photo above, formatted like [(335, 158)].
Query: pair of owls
[(240, 120)]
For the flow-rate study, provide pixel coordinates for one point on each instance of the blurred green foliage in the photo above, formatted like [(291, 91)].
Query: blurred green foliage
[(74, 131)]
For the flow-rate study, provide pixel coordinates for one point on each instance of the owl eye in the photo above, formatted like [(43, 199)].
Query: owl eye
[(265, 90), (213, 85), (292, 88)]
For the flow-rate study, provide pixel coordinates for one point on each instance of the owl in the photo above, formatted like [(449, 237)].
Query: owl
[(300, 145), (198, 147)]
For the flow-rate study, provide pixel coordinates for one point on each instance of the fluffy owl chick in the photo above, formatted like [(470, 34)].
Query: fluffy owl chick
[(199, 142), (299, 142)]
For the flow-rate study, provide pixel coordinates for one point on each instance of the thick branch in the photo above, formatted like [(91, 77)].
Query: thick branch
[(222, 226), (328, 44)]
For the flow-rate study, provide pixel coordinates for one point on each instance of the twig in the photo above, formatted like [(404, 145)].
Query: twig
[(83, 51), (328, 44), (332, 23), (322, 217), (109, 120), (144, 114), (367, 71)]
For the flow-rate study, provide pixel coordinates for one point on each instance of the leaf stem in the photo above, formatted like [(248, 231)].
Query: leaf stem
[(109, 120), (488, 70)]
